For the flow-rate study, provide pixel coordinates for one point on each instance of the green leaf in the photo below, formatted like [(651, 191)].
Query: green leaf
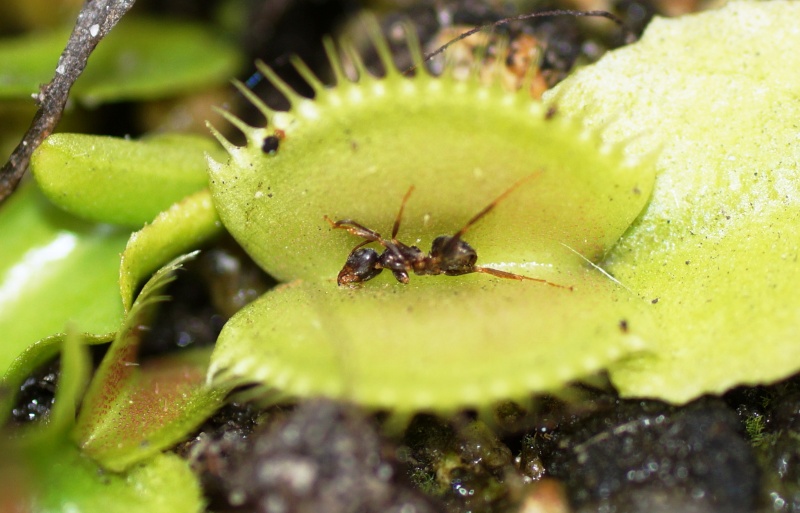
[(186, 226), (54, 270), (119, 181), (134, 409), (41, 471), (74, 375), (718, 244), (36, 355), (438, 343), (67, 481), (140, 59)]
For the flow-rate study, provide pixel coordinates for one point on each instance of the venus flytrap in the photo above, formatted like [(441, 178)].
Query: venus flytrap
[(57, 269), (440, 342)]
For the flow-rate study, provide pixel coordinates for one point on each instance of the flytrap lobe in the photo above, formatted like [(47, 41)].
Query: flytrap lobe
[(438, 342)]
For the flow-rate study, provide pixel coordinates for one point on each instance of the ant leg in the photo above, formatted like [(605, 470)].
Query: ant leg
[(512, 276), (396, 226), (356, 229), (365, 233), (401, 276), (360, 245)]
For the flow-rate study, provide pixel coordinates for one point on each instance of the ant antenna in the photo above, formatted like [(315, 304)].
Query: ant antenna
[(396, 226), (488, 208), (630, 36)]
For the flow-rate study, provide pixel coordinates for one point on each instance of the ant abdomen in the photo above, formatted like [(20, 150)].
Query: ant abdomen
[(453, 256)]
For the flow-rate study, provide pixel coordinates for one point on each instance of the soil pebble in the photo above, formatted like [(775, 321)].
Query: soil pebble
[(322, 457)]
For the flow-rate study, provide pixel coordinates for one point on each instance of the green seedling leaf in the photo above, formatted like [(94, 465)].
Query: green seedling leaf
[(140, 59), (74, 369), (432, 345), (160, 404), (113, 180), (718, 244), (73, 378), (439, 342), (134, 409), (63, 480), (145, 59), (182, 228), (54, 270)]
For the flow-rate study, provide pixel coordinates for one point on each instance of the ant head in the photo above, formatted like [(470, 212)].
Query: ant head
[(361, 265), (455, 256)]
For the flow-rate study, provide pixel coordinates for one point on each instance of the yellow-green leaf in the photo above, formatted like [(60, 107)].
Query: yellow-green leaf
[(718, 243), (120, 181)]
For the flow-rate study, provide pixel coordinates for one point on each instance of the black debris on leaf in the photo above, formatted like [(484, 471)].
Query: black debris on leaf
[(648, 456), (324, 457)]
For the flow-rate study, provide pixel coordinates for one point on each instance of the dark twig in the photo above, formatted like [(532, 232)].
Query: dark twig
[(630, 37), (96, 19)]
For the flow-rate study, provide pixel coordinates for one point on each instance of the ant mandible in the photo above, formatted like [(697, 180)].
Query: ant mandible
[(449, 255)]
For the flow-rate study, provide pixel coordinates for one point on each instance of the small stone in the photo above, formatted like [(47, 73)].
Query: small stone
[(322, 457)]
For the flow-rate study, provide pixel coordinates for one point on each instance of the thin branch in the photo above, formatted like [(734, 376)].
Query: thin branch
[(95, 21), (630, 37)]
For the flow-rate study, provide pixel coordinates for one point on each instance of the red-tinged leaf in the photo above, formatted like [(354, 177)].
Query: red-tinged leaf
[(132, 410)]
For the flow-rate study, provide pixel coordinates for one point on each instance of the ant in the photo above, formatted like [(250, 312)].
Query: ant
[(449, 255)]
